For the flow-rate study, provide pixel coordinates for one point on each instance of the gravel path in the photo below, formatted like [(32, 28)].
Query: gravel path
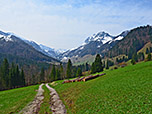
[(34, 106), (57, 106)]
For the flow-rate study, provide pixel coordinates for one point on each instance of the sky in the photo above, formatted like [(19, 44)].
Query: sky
[(65, 24)]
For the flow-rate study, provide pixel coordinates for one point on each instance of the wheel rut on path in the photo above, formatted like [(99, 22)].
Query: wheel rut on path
[(34, 106), (57, 106)]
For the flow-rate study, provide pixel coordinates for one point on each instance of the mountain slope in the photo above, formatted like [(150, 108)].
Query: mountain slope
[(133, 42), (44, 49), (10, 44), (51, 52), (97, 43)]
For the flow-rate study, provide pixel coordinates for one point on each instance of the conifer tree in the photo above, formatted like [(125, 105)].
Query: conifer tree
[(5, 72), (150, 49), (58, 75), (17, 77), (135, 57), (42, 74), (13, 77), (141, 56), (10, 78), (74, 71), (107, 65), (117, 60), (69, 69), (104, 64), (33, 79), (22, 78), (149, 57), (97, 65), (147, 51), (53, 73), (86, 66), (61, 71), (133, 61), (79, 72)]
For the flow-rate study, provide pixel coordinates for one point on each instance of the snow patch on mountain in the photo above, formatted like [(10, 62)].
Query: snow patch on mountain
[(81, 48), (100, 37), (119, 38), (39, 47), (59, 51), (94, 44), (7, 38), (98, 46), (1, 36)]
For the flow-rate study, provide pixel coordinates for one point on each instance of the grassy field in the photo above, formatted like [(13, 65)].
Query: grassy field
[(120, 91), (45, 106), (12, 101)]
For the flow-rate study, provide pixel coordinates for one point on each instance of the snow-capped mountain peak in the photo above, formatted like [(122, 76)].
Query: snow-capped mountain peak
[(100, 37), (9, 36), (97, 43)]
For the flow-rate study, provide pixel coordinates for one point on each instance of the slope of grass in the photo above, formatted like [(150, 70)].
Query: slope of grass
[(45, 106), (124, 90), (148, 45), (12, 101)]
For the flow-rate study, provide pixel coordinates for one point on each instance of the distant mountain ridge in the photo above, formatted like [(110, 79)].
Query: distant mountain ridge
[(40, 47), (128, 42), (100, 42), (13, 45)]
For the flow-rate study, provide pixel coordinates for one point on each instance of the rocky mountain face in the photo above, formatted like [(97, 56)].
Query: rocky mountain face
[(100, 42)]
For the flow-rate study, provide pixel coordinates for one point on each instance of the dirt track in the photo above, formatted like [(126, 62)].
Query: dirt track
[(34, 106), (57, 106)]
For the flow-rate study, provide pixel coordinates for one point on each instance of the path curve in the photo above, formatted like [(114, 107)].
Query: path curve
[(34, 106), (57, 106)]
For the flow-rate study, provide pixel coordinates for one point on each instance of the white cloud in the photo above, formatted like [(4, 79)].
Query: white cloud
[(66, 25)]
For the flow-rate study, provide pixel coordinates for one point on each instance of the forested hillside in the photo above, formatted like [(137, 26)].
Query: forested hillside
[(133, 42)]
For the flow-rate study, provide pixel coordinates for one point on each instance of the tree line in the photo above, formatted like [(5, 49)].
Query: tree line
[(11, 76)]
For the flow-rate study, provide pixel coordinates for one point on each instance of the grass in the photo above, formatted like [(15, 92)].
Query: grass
[(121, 91), (12, 101), (45, 106)]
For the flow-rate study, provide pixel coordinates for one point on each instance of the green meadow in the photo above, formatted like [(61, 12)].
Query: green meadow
[(12, 101), (120, 91)]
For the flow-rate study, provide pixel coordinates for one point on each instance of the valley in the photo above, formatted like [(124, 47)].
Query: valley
[(75, 57), (121, 66), (122, 90)]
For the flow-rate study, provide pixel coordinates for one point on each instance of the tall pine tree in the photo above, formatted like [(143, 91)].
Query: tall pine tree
[(149, 57), (17, 73), (69, 69), (42, 74), (5, 72), (58, 75), (22, 78), (79, 72), (61, 71), (97, 65), (53, 73)]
